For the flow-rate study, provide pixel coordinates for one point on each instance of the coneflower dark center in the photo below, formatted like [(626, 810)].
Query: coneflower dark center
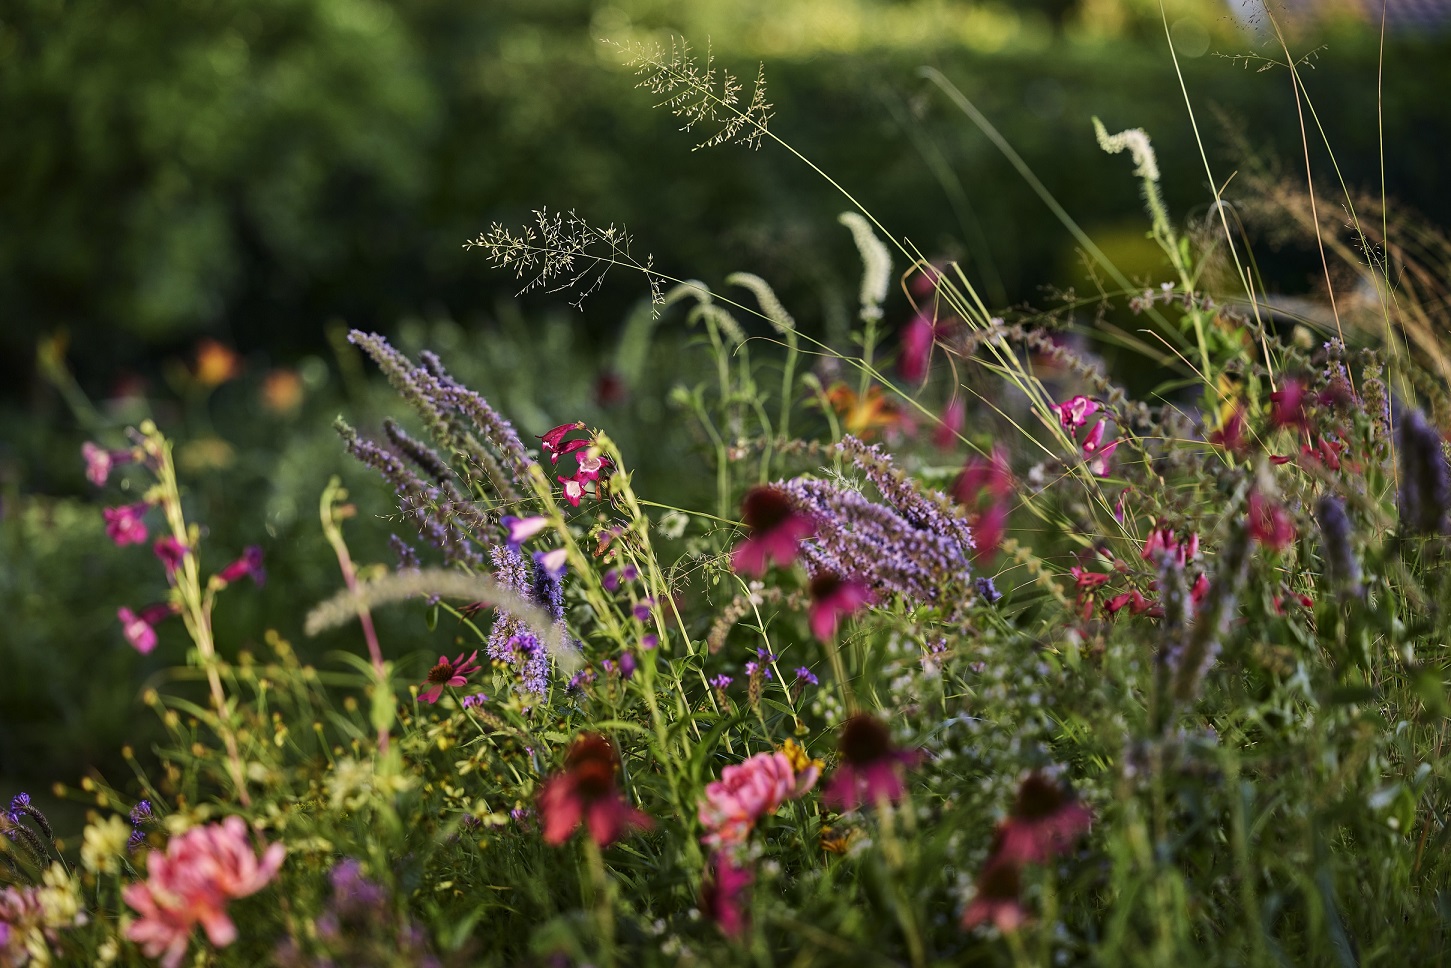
[(864, 740), (765, 508)]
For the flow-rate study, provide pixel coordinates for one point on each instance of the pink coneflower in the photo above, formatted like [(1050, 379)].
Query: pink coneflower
[(100, 461), (446, 673), (140, 629), (552, 438), (124, 525), (191, 883), (744, 793), (585, 793), (832, 598), (171, 552), (721, 895), (777, 530), (997, 900), (250, 563), (1046, 820), (871, 765), (1268, 522)]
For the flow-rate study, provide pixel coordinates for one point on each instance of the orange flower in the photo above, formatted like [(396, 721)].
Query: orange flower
[(216, 363), (863, 416), (282, 391)]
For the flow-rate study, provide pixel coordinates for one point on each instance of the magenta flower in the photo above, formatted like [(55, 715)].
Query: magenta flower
[(99, 461), (953, 419), (871, 765), (721, 895), (573, 489), (590, 467), (984, 475), (553, 438), (124, 525), (745, 793), (1230, 434), (191, 883), (585, 793), (1268, 523), (249, 564), (777, 530), (171, 552), (1288, 405), (1094, 450), (448, 673), (1046, 821), (918, 337), (140, 629), (833, 597), (997, 900), (1075, 413)]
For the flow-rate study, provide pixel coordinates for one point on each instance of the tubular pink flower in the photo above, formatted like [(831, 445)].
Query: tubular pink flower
[(573, 489), (590, 467), (1075, 413), (585, 793), (721, 895), (1230, 434), (124, 525), (744, 793), (522, 529), (140, 629), (192, 882), (917, 338), (249, 564), (100, 462), (832, 598), (1288, 405), (171, 552), (953, 419), (1268, 523), (552, 438), (447, 673), (777, 531)]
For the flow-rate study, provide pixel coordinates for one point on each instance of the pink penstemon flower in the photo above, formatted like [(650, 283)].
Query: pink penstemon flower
[(573, 489), (918, 338), (584, 792), (1230, 434), (832, 599), (776, 531), (1287, 405), (191, 883), (124, 524), (1074, 413), (448, 673), (522, 529), (871, 765), (140, 628), (1095, 452), (100, 461), (170, 552), (553, 439), (248, 565)]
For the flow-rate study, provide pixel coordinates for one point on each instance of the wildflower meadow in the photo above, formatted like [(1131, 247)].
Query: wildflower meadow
[(1106, 630)]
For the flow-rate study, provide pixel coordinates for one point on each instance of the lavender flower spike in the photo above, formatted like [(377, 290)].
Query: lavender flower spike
[(1425, 485)]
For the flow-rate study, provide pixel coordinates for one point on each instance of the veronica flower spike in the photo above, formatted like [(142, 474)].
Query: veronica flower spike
[(777, 530)]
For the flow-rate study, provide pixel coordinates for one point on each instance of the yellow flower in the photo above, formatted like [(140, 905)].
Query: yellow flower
[(102, 844)]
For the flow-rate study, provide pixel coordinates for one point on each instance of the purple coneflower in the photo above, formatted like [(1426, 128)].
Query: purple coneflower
[(777, 530), (871, 765), (1045, 821), (447, 673), (585, 792), (997, 900), (832, 598)]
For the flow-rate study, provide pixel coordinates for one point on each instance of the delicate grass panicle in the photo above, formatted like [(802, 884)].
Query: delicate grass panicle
[(1002, 666)]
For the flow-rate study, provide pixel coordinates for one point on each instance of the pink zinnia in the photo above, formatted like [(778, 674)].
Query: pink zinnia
[(871, 765), (124, 525), (721, 895), (448, 673), (833, 597), (140, 629), (744, 793), (777, 530), (1045, 822), (191, 883), (997, 900), (585, 793)]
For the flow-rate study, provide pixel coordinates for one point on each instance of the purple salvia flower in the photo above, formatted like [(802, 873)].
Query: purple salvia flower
[(141, 813), (499, 432), (933, 511), (421, 454), (407, 556), (987, 590), (721, 682), (1335, 535), (804, 674), (1425, 486)]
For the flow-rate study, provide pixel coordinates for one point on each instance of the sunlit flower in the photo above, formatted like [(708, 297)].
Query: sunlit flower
[(585, 792), (721, 895), (250, 563), (871, 765), (553, 438), (102, 844), (447, 673), (124, 525), (863, 416), (744, 793), (191, 883), (832, 598), (1046, 820), (573, 489), (140, 629), (997, 900), (776, 531), (282, 391)]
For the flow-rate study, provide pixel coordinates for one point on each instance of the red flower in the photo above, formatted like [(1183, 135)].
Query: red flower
[(918, 337), (551, 440), (833, 597), (1046, 820), (1288, 405), (1268, 523), (448, 673), (1230, 434), (124, 525), (721, 895), (777, 529), (945, 436), (871, 766), (585, 792), (997, 899)]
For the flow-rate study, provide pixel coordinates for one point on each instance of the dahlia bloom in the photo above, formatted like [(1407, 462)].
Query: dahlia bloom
[(124, 525), (832, 598), (191, 883), (585, 793), (777, 530), (447, 673), (871, 766), (744, 793), (1045, 821)]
